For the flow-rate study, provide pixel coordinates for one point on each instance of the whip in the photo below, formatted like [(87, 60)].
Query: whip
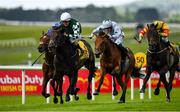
[(37, 58)]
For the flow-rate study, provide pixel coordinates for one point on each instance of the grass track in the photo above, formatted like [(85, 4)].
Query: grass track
[(102, 103)]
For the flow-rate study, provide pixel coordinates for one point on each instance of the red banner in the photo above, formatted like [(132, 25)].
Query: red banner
[(10, 82)]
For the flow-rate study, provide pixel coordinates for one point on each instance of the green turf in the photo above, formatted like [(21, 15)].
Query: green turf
[(103, 102)]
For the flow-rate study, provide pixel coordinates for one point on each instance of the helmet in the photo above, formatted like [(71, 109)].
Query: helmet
[(65, 16), (158, 24), (106, 24), (56, 26)]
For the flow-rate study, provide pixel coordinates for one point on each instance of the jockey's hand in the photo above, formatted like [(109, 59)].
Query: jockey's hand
[(90, 36), (65, 34), (139, 39)]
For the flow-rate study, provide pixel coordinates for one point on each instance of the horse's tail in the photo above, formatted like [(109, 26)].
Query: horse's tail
[(136, 72)]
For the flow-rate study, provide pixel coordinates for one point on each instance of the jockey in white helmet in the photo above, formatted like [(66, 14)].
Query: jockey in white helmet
[(72, 29), (115, 32)]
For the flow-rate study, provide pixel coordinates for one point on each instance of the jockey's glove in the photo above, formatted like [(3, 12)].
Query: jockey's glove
[(90, 36), (140, 37)]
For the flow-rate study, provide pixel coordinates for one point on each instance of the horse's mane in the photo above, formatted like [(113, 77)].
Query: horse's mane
[(107, 37)]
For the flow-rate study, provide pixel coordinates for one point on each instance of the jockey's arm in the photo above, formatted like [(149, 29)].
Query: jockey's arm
[(94, 32), (76, 32), (117, 33), (142, 33), (165, 30)]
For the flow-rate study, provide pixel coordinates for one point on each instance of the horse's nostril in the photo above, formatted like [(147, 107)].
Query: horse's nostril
[(97, 55)]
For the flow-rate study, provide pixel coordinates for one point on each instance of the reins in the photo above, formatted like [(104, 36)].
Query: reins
[(158, 51)]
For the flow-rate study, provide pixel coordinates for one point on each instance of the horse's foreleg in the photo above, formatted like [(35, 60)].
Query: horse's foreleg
[(53, 81), (60, 90), (123, 96), (115, 92), (68, 90), (156, 92), (163, 79), (89, 96), (103, 73), (142, 90), (73, 82), (171, 78), (45, 80)]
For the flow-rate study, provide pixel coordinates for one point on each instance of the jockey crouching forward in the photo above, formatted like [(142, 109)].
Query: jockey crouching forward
[(161, 27), (115, 32), (72, 29)]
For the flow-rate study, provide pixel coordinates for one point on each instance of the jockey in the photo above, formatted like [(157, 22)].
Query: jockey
[(72, 29), (161, 27), (115, 32)]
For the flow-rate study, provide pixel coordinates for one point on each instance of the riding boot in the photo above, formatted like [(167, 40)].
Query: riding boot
[(124, 50)]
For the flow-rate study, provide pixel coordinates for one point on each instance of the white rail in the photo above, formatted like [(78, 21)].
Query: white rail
[(22, 68), (39, 67)]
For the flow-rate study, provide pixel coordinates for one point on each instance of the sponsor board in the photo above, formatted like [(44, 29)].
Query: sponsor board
[(10, 82)]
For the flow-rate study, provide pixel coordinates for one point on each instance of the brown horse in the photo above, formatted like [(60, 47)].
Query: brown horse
[(47, 67), (112, 61), (160, 59)]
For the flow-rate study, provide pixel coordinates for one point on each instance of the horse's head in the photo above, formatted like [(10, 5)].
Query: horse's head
[(43, 42), (153, 38), (58, 37), (101, 39)]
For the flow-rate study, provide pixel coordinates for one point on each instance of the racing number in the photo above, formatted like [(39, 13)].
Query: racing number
[(140, 59)]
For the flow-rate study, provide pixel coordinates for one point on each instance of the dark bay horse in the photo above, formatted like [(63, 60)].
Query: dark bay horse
[(67, 62), (113, 62), (47, 67), (160, 59)]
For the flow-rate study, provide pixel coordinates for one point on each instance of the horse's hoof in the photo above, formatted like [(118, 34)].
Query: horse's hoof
[(76, 98), (142, 91), (167, 100), (59, 94), (115, 93), (89, 96), (156, 92), (45, 95), (96, 93), (67, 98), (55, 100), (121, 101), (76, 90)]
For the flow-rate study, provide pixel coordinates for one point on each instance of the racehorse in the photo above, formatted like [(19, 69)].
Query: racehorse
[(114, 62), (160, 59), (67, 62), (47, 67)]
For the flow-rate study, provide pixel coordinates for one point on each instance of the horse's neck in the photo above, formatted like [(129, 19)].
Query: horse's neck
[(49, 57), (110, 49), (162, 45), (67, 50)]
